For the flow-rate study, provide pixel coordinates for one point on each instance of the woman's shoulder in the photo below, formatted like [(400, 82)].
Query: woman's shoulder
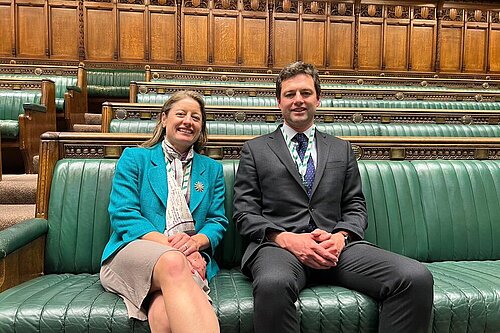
[(208, 161)]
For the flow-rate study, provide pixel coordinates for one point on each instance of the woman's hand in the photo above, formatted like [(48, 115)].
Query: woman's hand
[(184, 243), (198, 264)]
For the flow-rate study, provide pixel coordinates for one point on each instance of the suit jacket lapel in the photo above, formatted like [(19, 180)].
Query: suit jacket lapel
[(199, 183), (322, 152), (277, 144), (157, 174)]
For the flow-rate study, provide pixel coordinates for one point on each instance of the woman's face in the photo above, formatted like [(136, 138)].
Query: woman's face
[(183, 124)]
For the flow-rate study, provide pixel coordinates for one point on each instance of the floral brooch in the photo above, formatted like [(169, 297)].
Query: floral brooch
[(198, 186)]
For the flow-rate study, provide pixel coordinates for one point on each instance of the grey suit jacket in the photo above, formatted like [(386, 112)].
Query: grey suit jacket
[(269, 194)]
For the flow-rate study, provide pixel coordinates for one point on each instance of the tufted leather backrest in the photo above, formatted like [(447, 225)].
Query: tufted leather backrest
[(11, 102), (461, 205), (61, 82), (451, 130), (78, 216), (427, 210)]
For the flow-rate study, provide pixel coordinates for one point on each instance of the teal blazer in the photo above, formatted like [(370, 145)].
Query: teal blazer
[(138, 199)]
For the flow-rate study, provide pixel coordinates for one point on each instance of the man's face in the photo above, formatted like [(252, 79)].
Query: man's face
[(298, 102)]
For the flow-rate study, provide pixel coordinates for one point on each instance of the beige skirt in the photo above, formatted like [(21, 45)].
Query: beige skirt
[(128, 274)]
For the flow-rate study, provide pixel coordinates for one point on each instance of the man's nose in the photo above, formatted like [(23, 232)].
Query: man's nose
[(298, 99)]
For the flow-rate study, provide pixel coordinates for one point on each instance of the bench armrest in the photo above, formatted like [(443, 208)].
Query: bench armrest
[(34, 107), (21, 234), (75, 88), (22, 252)]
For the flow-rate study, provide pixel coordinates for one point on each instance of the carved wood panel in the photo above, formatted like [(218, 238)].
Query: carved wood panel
[(132, 34), (31, 30), (313, 43), (195, 39), (100, 44), (475, 50), (341, 41), (395, 47), (225, 40), (163, 32), (6, 32), (254, 45), (64, 29), (370, 50), (285, 42), (422, 48), (451, 49)]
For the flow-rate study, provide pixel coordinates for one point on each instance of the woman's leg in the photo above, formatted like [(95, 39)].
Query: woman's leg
[(157, 315), (186, 305)]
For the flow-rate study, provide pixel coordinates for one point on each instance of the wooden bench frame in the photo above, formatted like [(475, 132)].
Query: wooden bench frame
[(36, 119), (361, 92), (75, 97), (141, 111)]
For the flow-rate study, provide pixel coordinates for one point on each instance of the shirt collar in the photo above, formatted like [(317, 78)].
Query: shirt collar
[(290, 132)]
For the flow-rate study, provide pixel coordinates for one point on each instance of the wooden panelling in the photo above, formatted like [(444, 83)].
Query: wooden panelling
[(396, 40), (285, 42), (163, 37), (195, 39), (495, 50), (370, 41), (225, 41), (422, 48), (451, 47), (31, 29), (376, 35), (132, 34), (341, 41), (100, 33), (313, 48), (254, 44), (6, 20), (475, 50), (64, 32)]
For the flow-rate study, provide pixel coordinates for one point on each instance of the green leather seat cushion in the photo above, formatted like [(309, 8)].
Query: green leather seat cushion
[(9, 129), (444, 213), (465, 296)]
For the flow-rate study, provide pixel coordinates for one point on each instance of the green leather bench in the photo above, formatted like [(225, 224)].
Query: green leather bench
[(441, 212), (336, 129), (159, 98), (112, 83), (70, 87), (27, 109)]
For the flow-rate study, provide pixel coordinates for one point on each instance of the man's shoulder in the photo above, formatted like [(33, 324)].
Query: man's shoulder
[(331, 138)]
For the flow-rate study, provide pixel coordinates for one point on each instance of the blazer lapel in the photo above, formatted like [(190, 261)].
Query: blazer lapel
[(157, 174), (322, 152), (199, 183), (277, 144)]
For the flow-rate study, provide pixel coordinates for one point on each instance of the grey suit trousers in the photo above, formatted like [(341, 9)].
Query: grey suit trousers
[(402, 286)]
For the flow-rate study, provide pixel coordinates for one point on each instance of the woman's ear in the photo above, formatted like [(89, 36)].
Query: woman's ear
[(163, 119)]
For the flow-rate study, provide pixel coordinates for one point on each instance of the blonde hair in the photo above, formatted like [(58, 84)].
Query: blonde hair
[(159, 131)]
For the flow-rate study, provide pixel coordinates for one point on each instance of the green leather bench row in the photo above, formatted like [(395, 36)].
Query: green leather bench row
[(336, 129), (154, 98), (61, 84), (443, 213), (11, 106), (111, 82)]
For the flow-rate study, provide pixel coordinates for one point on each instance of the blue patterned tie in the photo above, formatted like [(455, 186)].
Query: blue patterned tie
[(302, 141)]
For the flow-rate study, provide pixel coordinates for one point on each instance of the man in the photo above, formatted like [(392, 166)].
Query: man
[(299, 202)]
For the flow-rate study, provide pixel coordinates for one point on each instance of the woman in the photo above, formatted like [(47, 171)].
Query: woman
[(167, 214)]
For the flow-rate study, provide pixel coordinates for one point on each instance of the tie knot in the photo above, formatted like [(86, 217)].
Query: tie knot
[(300, 138)]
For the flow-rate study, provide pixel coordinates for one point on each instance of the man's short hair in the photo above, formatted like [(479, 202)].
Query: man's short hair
[(294, 69)]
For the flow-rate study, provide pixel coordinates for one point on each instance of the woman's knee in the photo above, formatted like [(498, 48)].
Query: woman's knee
[(172, 264)]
